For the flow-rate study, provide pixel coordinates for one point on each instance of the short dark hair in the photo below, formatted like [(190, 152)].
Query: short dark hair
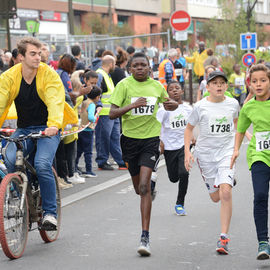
[(75, 50), (173, 82), (90, 74), (130, 49), (67, 62), (137, 55), (96, 91), (99, 52)]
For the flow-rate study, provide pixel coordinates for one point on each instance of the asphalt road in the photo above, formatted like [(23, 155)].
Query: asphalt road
[(102, 231)]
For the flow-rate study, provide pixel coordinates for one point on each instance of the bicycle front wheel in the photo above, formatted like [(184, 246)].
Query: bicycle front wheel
[(50, 236), (13, 221)]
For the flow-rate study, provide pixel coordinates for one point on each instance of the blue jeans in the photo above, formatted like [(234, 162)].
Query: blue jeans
[(45, 151), (85, 145), (108, 140), (260, 178)]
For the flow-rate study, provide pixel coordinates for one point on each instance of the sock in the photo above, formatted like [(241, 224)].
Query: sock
[(224, 234), (145, 234), (153, 185)]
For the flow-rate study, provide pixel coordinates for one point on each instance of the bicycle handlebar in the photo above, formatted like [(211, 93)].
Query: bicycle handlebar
[(20, 138)]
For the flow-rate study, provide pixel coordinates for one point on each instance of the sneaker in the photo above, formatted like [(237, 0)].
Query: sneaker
[(263, 251), (49, 223), (122, 167), (88, 175), (222, 245), (76, 179), (63, 184), (106, 167), (144, 248), (180, 210)]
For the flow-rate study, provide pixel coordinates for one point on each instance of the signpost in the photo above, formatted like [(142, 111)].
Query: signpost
[(180, 20), (248, 41), (248, 59)]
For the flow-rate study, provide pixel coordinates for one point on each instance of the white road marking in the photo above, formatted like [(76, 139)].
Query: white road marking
[(95, 189)]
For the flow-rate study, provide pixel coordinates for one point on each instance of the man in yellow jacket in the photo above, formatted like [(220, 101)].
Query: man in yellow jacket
[(39, 97), (198, 59)]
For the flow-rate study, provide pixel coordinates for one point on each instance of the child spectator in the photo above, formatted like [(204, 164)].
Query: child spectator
[(86, 137), (237, 82)]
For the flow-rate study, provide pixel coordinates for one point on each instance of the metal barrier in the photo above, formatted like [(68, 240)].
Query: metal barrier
[(91, 43)]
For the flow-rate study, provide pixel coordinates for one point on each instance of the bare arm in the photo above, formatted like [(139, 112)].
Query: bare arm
[(170, 104), (238, 141), (116, 111), (187, 139)]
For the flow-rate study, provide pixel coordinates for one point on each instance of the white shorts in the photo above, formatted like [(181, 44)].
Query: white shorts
[(217, 173)]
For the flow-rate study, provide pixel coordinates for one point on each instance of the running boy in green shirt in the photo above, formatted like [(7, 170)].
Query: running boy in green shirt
[(136, 100), (257, 112)]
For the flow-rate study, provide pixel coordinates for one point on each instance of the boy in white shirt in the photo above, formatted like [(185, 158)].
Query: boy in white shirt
[(216, 116), (172, 141)]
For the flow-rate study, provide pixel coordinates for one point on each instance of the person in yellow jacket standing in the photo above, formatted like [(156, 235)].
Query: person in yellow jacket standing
[(198, 59), (166, 71), (39, 97), (107, 131)]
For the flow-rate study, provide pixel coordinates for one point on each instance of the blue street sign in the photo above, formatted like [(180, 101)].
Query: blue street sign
[(248, 59), (248, 41)]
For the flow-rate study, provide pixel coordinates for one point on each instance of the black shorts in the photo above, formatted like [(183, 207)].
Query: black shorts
[(139, 152), (175, 162)]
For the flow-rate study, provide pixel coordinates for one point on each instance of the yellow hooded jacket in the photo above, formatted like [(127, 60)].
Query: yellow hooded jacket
[(49, 88), (198, 60)]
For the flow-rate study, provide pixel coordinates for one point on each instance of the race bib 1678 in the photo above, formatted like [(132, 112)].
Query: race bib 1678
[(144, 110)]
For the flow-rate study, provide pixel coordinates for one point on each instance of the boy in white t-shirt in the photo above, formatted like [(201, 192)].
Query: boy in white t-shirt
[(172, 141), (216, 116)]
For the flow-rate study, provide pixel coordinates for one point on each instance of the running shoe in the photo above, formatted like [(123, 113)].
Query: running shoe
[(63, 184), (49, 223), (76, 179), (222, 245), (88, 174), (263, 251), (122, 167), (144, 248), (106, 167), (180, 210)]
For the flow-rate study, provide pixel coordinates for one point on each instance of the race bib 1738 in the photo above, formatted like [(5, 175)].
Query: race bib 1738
[(262, 141), (220, 125), (144, 110)]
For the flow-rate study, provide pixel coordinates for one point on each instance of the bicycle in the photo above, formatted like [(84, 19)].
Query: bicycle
[(20, 203)]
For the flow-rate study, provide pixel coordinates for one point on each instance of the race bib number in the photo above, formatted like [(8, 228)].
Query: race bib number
[(178, 121), (220, 125), (262, 141), (144, 110), (155, 74), (239, 81), (179, 72)]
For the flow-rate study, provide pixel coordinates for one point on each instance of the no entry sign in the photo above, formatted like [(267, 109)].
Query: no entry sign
[(249, 59), (180, 20)]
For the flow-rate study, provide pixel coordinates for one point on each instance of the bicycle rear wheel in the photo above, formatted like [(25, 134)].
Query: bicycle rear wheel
[(13, 221), (50, 236)]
